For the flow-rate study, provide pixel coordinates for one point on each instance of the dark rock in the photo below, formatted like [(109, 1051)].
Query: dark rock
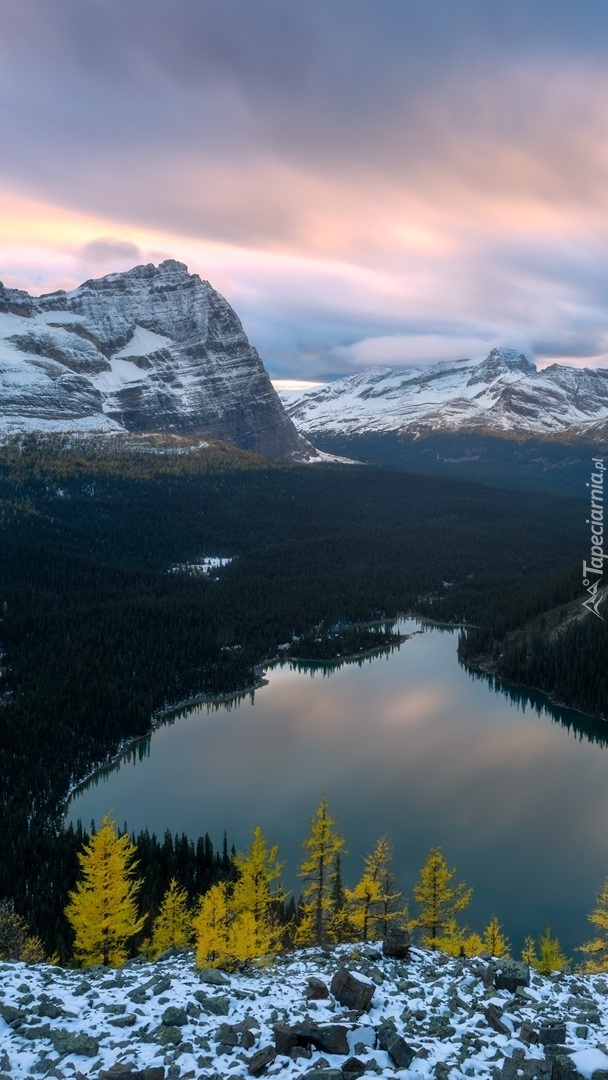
[(123, 1070), (129, 1020), (351, 992), (396, 943), (528, 1034), (400, 1053), (152, 1072), (552, 1032), (217, 1006), (518, 1068), (328, 1038), (510, 974), (12, 1016), (353, 1069), (71, 1042), (316, 989), (161, 986), (174, 1016), (260, 1061), (167, 1035), (563, 1068), (325, 1074), (492, 1015)]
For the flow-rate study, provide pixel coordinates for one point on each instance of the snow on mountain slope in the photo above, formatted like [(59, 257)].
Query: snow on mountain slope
[(154, 349), (503, 393)]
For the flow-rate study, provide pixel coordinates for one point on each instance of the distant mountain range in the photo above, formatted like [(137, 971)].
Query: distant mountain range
[(154, 349), (503, 394)]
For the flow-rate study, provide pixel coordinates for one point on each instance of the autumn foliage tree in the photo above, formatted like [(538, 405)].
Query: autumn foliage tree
[(211, 926), (254, 929), (596, 951), (374, 901), (172, 927), (317, 870), (16, 942), (102, 909), (494, 940), (439, 898)]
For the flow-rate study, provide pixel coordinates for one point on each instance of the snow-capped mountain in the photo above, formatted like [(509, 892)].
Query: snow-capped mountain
[(153, 349), (502, 394)]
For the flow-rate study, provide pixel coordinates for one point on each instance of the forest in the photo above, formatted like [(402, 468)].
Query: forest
[(100, 632)]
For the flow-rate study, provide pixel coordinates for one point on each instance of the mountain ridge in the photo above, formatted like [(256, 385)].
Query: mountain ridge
[(152, 349), (504, 394)]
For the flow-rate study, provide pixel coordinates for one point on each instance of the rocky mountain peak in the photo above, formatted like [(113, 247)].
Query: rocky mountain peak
[(152, 349)]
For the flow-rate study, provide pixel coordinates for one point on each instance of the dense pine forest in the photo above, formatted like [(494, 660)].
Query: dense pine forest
[(100, 631)]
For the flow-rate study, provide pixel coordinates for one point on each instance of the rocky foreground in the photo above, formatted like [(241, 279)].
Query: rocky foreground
[(330, 1014)]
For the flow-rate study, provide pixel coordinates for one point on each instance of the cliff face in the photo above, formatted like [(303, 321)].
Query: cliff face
[(153, 349)]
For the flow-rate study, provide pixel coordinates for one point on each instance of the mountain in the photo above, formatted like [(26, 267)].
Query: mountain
[(505, 393), (153, 349)]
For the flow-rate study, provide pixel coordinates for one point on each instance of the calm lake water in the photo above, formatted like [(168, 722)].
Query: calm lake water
[(515, 791)]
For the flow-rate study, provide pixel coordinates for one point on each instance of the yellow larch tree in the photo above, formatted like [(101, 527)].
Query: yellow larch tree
[(551, 957), (172, 927), (102, 909), (316, 869), (254, 930), (458, 940), (211, 925), (494, 940), (596, 951), (440, 900), (528, 953), (374, 899)]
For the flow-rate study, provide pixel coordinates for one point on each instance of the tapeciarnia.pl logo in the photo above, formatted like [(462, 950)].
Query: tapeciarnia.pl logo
[(593, 571)]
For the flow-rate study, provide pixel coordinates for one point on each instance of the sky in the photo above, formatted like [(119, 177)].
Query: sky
[(366, 181)]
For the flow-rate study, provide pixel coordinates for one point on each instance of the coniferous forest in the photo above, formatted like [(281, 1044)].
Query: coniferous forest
[(100, 633)]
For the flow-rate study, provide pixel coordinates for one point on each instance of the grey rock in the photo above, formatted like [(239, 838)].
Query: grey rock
[(166, 1035), (12, 1016), (397, 942), (260, 1061), (400, 1053), (510, 974), (70, 1042), (217, 1006), (552, 1032), (564, 1068), (174, 1016), (214, 977), (352, 992), (492, 1015), (128, 1020), (518, 1068), (325, 1074), (328, 1038), (529, 1034)]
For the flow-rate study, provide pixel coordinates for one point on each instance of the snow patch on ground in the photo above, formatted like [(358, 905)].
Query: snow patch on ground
[(74, 1023)]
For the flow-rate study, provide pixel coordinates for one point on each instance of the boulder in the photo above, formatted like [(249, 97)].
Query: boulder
[(552, 1032), (352, 992), (174, 1016), (400, 1053), (213, 977), (396, 943), (316, 989), (353, 1069), (509, 974), (492, 1015), (519, 1067), (328, 1038), (260, 1061), (72, 1042)]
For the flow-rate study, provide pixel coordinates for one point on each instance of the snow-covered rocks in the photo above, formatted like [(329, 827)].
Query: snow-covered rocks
[(427, 1018)]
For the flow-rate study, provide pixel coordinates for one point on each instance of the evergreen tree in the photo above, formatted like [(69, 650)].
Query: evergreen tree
[(528, 953), (321, 847), (254, 931), (172, 927), (439, 899), (494, 941), (374, 899), (339, 925), (211, 927), (596, 951), (102, 909), (551, 958)]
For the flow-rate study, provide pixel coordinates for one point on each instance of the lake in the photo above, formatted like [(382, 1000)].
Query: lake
[(409, 743)]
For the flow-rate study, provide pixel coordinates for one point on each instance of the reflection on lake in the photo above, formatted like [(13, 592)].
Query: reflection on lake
[(514, 790)]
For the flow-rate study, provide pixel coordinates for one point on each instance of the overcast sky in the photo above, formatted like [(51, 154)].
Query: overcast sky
[(388, 181)]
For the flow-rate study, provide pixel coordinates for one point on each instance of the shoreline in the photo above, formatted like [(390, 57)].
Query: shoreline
[(485, 666), (162, 715)]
